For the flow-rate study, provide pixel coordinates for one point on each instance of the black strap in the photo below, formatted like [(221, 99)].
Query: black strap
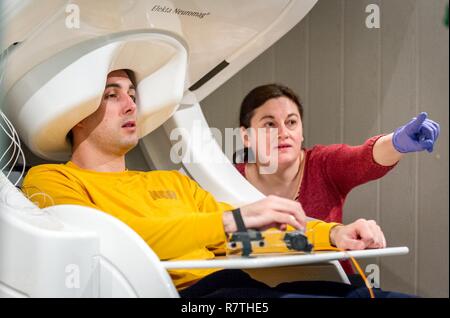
[(239, 220), (243, 234)]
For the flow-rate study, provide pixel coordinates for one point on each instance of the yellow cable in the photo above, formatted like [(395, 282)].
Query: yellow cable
[(355, 263), (358, 268), (361, 273)]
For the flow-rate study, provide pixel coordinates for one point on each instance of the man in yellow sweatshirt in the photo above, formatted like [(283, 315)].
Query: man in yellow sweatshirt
[(171, 212)]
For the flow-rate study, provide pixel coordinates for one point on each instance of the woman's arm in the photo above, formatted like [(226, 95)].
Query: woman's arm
[(349, 166), (419, 134), (384, 152)]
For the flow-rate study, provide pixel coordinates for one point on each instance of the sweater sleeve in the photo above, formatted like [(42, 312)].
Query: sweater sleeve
[(207, 204), (204, 200), (318, 233), (349, 166)]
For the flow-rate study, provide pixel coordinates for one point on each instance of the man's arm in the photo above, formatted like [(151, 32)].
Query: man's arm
[(277, 212), (173, 237), (272, 211), (169, 236)]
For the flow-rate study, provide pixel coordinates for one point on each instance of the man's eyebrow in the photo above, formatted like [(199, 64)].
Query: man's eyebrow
[(119, 86)]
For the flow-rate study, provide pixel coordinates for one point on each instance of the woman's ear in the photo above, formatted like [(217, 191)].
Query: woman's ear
[(245, 137)]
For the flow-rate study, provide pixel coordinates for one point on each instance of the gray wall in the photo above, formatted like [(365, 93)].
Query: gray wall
[(357, 82)]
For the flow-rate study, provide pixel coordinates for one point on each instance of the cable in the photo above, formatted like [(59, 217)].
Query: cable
[(354, 261), (9, 130), (6, 151), (357, 266), (11, 136), (15, 141), (361, 273), (17, 138)]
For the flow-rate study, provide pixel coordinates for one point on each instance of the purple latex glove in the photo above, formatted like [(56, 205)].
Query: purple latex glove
[(419, 134)]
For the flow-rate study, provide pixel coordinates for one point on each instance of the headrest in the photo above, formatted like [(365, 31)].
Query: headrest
[(55, 95)]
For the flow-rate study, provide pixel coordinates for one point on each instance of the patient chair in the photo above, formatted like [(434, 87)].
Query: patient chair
[(73, 251)]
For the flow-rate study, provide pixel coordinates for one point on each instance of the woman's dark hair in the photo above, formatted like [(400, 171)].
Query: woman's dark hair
[(256, 98)]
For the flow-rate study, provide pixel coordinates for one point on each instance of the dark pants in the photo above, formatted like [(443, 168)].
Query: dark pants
[(234, 283)]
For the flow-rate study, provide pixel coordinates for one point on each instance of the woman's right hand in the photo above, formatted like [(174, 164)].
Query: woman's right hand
[(272, 211)]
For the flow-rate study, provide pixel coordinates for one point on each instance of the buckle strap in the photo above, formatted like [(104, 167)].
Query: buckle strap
[(239, 220)]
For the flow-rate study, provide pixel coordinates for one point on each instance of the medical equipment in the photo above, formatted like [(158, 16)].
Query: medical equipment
[(243, 239), (194, 48), (57, 56), (17, 152), (253, 242), (297, 241)]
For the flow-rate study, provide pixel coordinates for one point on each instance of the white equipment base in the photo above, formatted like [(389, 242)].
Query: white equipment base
[(275, 260)]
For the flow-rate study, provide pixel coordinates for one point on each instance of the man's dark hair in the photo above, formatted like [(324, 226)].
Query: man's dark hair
[(131, 76)]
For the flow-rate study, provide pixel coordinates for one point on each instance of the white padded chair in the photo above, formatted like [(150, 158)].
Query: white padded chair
[(73, 251)]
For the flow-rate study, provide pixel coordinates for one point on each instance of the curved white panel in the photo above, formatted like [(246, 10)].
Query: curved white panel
[(55, 95), (54, 54)]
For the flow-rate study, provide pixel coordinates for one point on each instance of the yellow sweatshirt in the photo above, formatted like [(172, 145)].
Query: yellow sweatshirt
[(172, 213)]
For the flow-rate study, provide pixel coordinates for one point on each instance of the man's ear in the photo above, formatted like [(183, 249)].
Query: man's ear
[(245, 137), (77, 128), (80, 124)]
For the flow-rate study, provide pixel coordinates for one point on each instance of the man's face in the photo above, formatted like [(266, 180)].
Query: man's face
[(112, 128)]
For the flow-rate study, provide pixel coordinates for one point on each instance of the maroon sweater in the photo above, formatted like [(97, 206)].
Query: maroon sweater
[(330, 173)]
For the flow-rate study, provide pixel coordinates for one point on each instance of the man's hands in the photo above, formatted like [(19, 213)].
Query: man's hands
[(274, 211), (358, 235), (269, 212)]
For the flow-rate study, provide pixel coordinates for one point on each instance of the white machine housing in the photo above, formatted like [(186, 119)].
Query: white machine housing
[(180, 51)]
